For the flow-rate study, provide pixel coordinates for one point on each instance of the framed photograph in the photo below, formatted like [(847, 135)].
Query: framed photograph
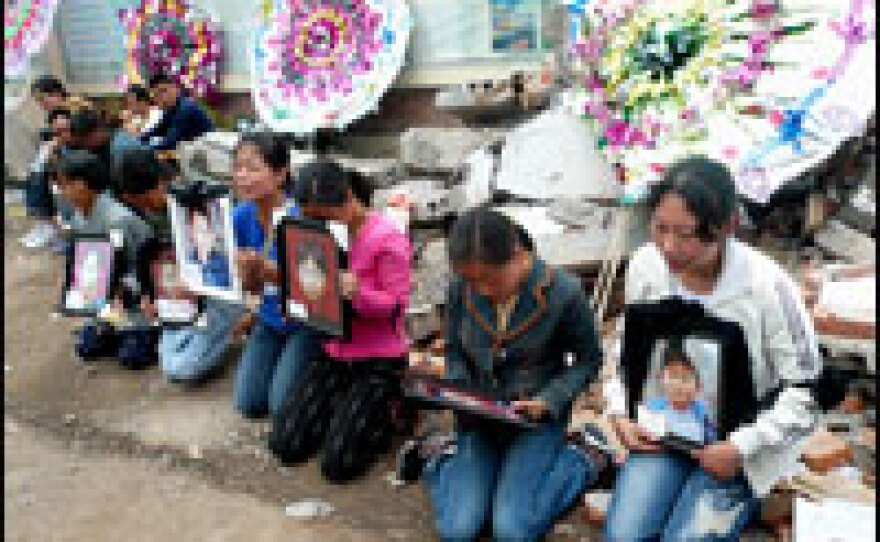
[(687, 373), (161, 276), (680, 396), (437, 394), (91, 275), (205, 246), (516, 25), (311, 261)]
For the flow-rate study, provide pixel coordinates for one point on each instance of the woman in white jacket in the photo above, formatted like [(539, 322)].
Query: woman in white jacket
[(712, 494)]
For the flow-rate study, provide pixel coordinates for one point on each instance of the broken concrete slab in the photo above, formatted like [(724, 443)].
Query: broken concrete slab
[(847, 243), (430, 199), (382, 172), (438, 149), (861, 212), (576, 248), (555, 155), (209, 157)]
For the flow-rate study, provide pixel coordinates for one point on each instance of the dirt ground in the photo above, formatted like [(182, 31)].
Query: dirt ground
[(94, 452), (58, 494)]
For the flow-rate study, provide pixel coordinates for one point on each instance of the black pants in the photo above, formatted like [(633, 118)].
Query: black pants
[(345, 413), (39, 200)]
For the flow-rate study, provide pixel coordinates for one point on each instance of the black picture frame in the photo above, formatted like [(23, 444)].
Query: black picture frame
[(113, 272), (147, 257), (645, 324), (331, 316)]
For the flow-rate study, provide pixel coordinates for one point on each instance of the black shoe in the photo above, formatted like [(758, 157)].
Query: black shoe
[(415, 454), (95, 341)]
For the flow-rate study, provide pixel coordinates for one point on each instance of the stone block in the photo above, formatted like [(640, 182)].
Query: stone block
[(847, 243), (430, 199), (438, 149)]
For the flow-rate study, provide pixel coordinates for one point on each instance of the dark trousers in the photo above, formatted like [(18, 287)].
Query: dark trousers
[(38, 196), (345, 413)]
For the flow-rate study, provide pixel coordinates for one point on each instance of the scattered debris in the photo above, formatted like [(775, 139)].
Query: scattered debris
[(847, 243), (195, 451), (393, 480), (595, 507), (309, 509)]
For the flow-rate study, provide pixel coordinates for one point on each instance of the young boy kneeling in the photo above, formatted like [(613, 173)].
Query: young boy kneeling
[(187, 354)]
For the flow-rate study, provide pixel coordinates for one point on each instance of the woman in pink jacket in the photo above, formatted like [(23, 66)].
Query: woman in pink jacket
[(350, 404)]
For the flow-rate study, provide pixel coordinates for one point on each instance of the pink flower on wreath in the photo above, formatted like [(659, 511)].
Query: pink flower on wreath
[(759, 43), (620, 133), (764, 9), (323, 44)]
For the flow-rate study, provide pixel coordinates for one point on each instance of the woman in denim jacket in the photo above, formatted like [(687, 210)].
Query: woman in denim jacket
[(522, 332)]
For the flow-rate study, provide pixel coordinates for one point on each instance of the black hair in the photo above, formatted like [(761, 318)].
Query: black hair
[(140, 93), (85, 121), (311, 249), (272, 148), (487, 236), (81, 164), (708, 191), (160, 78), (48, 84), (139, 171), (58, 112), (676, 355), (326, 183)]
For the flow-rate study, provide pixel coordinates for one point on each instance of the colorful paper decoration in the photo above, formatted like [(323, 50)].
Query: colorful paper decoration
[(173, 37), (769, 87), (325, 63), (26, 26)]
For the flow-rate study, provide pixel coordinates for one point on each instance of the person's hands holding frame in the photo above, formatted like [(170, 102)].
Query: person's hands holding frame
[(633, 436), (534, 409)]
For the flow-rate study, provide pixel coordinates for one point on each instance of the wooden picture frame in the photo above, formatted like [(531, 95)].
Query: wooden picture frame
[(311, 261)]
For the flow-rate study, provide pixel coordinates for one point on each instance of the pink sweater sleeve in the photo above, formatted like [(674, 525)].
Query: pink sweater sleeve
[(392, 283)]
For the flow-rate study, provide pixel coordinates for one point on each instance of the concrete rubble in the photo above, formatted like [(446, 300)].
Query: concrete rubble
[(439, 149)]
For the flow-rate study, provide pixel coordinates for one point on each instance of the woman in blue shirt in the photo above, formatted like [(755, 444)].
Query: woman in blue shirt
[(277, 352)]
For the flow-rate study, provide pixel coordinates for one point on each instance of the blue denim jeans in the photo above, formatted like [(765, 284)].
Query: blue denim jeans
[(190, 354), (670, 498), (525, 487), (271, 364)]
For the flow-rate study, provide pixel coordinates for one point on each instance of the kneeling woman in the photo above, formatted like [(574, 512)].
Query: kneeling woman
[(512, 324), (277, 353), (344, 408), (694, 256)]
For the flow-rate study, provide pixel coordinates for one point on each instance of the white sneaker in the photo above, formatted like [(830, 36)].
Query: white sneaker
[(40, 236), (30, 236)]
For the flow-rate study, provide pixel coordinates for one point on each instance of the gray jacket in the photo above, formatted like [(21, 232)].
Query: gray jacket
[(550, 352), (110, 217)]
